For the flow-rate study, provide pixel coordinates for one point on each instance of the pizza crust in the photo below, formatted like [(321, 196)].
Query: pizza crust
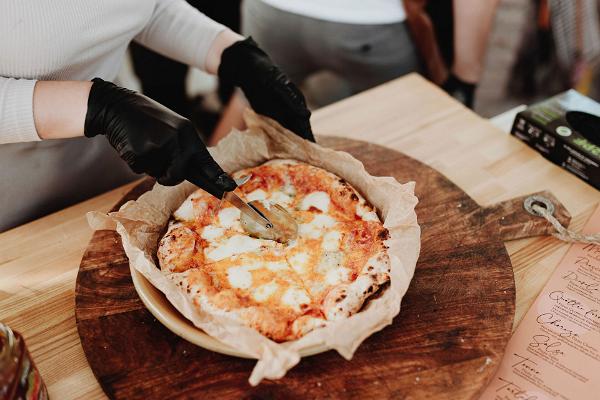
[(282, 290)]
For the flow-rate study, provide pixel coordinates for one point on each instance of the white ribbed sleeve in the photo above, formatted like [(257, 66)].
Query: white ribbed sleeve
[(16, 111), (82, 39), (179, 31)]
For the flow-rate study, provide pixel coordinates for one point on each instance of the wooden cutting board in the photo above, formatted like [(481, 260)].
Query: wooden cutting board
[(455, 320)]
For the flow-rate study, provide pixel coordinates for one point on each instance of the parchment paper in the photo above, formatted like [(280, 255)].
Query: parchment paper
[(142, 222)]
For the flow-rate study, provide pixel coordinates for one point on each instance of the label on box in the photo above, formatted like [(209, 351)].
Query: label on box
[(555, 351)]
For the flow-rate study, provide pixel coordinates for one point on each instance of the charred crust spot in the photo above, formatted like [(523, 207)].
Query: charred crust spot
[(354, 197), (370, 268), (339, 299), (383, 234)]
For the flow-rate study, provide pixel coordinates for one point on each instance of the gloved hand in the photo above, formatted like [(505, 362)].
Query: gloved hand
[(152, 139), (460, 90), (267, 89)]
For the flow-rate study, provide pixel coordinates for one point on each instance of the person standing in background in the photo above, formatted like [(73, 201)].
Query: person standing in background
[(363, 42), (369, 42)]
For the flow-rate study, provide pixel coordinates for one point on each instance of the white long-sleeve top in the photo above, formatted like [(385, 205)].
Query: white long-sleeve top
[(83, 39)]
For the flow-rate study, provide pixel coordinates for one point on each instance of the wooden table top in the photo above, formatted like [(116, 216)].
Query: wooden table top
[(39, 260)]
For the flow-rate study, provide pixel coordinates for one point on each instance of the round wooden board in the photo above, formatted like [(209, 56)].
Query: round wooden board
[(454, 323)]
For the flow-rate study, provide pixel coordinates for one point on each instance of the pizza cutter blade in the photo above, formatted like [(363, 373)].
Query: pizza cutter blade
[(283, 226)]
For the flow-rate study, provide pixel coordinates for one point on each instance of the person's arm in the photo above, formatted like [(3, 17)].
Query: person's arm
[(181, 32), (59, 108), (148, 136), (34, 110)]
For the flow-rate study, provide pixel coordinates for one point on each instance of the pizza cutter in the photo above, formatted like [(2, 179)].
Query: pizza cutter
[(264, 219)]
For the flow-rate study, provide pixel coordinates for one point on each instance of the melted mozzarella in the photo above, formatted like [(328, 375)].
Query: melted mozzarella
[(332, 241), (318, 200), (294, 298), (239, 277), (337, 275), (281, 198), (211, 232), (228, 217), (277, 265), (314, 228), (257, 194), (189, 210), (365, 213), (299, 262), (329, 261), (263, 292), (237, 244)]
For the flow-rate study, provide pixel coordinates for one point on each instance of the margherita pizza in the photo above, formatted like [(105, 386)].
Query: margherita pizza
[(337, 261)]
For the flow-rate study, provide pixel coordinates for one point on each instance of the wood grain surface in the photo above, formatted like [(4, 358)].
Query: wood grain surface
[(39, 261), (455, 321)]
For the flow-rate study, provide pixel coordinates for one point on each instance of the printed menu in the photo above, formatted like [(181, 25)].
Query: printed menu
[(555, 351)]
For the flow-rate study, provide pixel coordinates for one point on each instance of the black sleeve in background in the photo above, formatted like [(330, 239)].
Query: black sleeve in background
[(163, 79), (442, 16)]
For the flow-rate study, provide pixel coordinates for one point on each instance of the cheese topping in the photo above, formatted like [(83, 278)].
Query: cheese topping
[(258, 194), (277, 266), (191, 208), (228, 217), (318, 200), (239, 277), (281, 199), (329, 261), (211, 232), (237, 244), (331, 241), (186, 211), (299, 262), (314, 229), (295, 298), (337, 275), (263, 292), (365, 213)]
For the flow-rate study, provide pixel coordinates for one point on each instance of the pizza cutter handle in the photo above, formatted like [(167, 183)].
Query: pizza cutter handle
[(514, 219)]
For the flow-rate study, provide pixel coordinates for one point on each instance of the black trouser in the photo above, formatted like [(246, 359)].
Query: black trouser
[(163, 79)]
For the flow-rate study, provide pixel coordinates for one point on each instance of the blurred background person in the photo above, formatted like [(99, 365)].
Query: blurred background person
[(364, 43), (165, 80)]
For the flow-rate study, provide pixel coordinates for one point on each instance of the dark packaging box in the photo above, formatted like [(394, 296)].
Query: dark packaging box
[(566, 130)]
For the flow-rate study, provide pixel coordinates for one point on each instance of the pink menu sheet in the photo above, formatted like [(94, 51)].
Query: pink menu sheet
[(555, 351)]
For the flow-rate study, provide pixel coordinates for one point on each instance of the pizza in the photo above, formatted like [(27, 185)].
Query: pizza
[(283, 290)]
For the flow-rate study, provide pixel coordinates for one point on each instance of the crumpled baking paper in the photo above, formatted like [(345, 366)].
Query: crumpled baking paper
[(142, 222)]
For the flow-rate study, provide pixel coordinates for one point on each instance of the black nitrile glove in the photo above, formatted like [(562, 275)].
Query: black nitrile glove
[(268, 90), (152, 139), (460, 90)]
